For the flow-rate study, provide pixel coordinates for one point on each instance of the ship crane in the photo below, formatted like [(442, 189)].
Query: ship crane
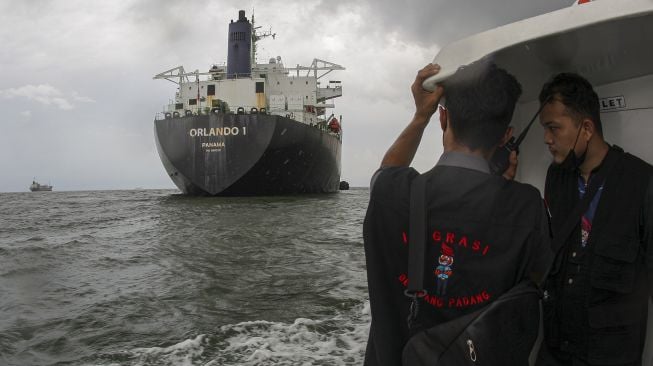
[(169, 74), (318, 65)]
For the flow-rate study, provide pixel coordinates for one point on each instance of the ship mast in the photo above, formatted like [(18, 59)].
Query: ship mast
[(256, 37)]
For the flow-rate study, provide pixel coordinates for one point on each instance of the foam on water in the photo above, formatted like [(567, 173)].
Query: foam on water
[(338, 340), (185, 353)]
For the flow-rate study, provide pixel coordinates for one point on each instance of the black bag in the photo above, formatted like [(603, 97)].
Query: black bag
[(502, 333)]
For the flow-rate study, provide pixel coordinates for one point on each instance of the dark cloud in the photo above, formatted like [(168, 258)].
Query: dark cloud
[(59, 55), (440, 21)]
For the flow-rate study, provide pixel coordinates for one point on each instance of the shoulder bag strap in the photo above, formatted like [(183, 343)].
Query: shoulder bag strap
[(416, 246)]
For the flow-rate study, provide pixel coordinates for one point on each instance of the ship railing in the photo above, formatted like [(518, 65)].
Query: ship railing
[(323, 125), (179, 76), (205, 110)]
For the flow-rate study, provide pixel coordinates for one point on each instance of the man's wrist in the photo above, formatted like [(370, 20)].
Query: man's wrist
[(422, 118)]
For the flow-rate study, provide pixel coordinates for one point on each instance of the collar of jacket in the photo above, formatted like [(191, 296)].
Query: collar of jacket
[(462, 160)]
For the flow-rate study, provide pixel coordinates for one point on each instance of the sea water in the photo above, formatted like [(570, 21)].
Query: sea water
[(152, 277)]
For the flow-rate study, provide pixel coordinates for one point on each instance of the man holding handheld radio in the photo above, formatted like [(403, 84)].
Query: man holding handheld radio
[(485, 233)]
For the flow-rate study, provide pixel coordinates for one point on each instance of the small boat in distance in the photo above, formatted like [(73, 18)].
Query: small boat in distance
[(36, 187)]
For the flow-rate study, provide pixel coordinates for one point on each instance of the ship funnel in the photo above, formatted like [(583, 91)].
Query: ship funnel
[(239, 62)]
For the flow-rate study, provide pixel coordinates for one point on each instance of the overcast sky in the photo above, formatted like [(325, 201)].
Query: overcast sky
[(77, 99)]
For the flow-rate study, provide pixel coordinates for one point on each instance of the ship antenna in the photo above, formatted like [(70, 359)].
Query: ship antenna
[(256, 37), (197, 80)]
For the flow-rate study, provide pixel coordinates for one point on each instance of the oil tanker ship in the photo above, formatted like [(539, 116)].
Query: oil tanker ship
[(251, 129)]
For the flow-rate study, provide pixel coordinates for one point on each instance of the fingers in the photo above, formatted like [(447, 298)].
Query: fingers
[(511, 172), (426, 101), (428, 71), (423, 74)]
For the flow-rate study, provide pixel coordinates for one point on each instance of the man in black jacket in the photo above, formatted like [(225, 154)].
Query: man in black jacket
[(485, 233), (595, 304)]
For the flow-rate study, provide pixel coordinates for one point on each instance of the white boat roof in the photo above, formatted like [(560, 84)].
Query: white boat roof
[(605, 41)]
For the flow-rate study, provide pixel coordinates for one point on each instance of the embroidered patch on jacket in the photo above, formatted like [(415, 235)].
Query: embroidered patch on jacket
[(444, 270), (586, 228), (450, 243)]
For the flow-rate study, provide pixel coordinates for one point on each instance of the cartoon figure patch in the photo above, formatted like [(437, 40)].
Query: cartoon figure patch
[(444, 270), (586, 227)]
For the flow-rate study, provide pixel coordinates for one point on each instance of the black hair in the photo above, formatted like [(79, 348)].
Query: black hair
[(481, 99), (578, 96)]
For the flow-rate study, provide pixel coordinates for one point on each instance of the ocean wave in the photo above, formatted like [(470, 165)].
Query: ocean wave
[(35, 238), (185, 353), (340, 340)]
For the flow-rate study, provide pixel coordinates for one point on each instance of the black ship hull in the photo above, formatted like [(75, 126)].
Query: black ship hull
[(247, 154)]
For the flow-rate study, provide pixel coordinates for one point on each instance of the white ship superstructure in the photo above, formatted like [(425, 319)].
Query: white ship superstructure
[(300, 93), (293, 92)]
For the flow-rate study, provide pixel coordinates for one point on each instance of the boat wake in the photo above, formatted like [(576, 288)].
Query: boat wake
[(338, 340)]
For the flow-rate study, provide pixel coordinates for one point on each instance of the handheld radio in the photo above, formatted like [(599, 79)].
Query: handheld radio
[(501, 158)]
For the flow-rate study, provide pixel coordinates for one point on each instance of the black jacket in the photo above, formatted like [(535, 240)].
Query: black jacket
[(596, 299), (495, 230)]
